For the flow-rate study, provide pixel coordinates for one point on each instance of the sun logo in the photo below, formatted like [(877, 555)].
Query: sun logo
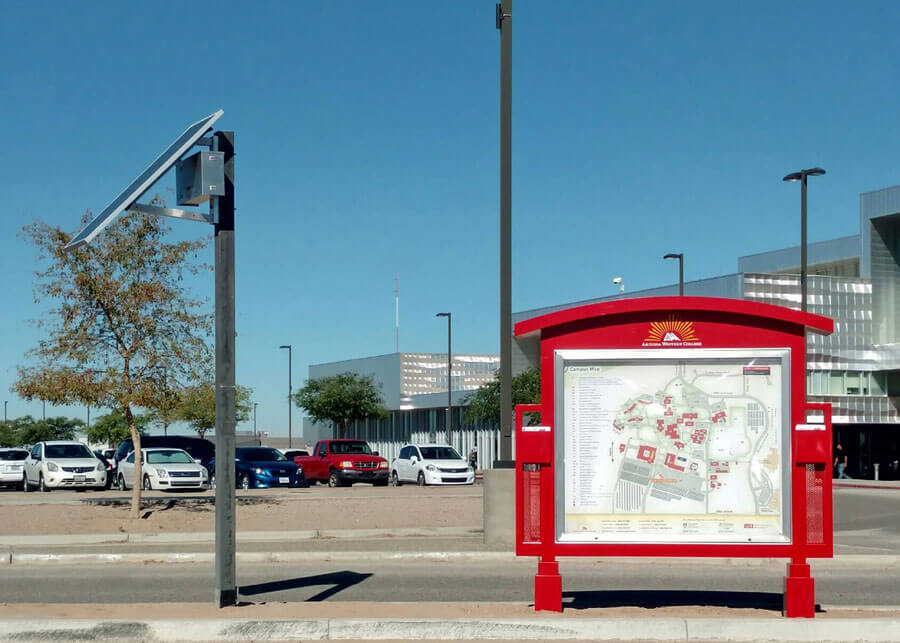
[(671, 332)]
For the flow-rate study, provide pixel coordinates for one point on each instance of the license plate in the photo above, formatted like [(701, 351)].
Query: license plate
[(79, 478), (284, 480)]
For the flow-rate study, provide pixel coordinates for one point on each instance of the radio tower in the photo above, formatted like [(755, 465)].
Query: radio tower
[(397, 309)]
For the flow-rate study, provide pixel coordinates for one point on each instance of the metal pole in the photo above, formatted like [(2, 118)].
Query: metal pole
[(290, 392), (43, 409), (504, 24), (681, 275), (254, 420), (803, 241), (5, 402), (449, 381), (223, 218)]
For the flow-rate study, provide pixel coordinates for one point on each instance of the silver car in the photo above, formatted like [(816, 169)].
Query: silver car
[(63, 464), (163, 468)]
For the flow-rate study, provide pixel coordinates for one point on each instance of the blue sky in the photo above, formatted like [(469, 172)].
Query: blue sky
[(367, 146)]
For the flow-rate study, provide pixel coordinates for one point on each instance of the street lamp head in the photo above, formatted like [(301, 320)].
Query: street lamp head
[(617, 280), (793, 176), (285, 346), (673, 255), (442, 315), (799, 176), (815, 171)]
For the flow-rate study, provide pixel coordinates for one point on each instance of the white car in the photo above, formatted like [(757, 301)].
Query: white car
[(430, 464), (63, 464), (12, 463), (164, 468)]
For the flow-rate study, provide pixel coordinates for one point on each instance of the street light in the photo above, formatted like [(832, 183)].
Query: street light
[(254, 422), (801, 176), (449, 375), (680, 257), (290, 391), (618, 281), (5, 402)]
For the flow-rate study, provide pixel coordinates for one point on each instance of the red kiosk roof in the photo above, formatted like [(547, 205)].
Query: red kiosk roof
[(742, 307)]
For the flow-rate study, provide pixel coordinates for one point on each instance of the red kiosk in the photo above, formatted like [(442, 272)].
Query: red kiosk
[(674, 426)]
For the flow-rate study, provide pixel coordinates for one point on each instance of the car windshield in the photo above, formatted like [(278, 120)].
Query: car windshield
[(439, 453), (173, 456), (261, 455), (13, 455), (67, 451), (347, 448)]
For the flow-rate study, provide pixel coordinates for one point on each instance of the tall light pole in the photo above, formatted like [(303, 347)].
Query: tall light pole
[(290, 392), (449, 375), (5, 402), (43, 409), (680, 257), (801, 176), (504, 24), (254, 421)]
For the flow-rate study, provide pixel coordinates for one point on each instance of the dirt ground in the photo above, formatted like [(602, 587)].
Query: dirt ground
[(257, 510)]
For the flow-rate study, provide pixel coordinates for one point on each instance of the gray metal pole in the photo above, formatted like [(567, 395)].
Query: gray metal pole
[(681, 275), (504, 24), (803, 241), (449, 381), (223, 217), (290, 391), (5, 402)]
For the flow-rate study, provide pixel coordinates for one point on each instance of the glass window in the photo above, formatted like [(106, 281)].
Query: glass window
[(439, 453), (36, 452), (879, 384), (836, 383), (68, 451), (130, 458), (851, 383), (169, 456), (260, 454), (322, 450), (13, 454)]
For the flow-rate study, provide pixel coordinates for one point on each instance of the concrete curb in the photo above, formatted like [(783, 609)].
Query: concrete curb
[(135, 558), (156, 538), (821, 630)]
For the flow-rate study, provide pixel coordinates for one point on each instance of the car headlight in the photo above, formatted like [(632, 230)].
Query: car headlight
[(162, 473), (101, 467), (51, 466), (430, 467), (299, 469), (345, 464), (258, 471), (383, 465)]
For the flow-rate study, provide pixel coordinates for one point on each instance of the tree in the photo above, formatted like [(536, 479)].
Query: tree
[(121, 329), (26, 430), (197, 406), (484, 403), (341, 399), (110, 429)]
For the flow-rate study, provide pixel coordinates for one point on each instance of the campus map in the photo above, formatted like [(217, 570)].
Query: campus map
[(680, 450)]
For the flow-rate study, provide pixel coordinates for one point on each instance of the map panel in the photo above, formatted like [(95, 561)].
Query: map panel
[(674, 450)]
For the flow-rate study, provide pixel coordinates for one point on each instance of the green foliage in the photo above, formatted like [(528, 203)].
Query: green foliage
[(197, 406), (26, 430), (484, 404), (341, 399), (110, 429)]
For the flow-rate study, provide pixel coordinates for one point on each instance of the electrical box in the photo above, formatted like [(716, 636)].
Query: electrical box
[(200, 177)]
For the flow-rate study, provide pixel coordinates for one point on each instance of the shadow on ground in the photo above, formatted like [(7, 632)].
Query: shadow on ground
[(651, 599), (339, 581)]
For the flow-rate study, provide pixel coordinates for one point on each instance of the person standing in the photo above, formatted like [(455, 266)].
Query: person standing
[(840, 461)]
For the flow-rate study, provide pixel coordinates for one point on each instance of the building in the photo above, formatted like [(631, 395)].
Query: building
[(855, 280), (414, 390)]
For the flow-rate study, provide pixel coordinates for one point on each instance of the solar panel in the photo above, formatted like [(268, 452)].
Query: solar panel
[(145, 180)]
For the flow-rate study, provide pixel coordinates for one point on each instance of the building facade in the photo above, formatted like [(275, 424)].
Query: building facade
[(854, 280), (414, 390)]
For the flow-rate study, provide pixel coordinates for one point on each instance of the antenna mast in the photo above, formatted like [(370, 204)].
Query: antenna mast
[(397, 309)]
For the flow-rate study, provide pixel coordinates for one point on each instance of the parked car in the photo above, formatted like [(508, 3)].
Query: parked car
[(63, 463), (343, 462), (199, 448), (163, 468), (12, 463), (262, 467), (290, 454), (427, 464), (110, 469)]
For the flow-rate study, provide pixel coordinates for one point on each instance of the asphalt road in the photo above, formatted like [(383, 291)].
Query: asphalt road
[(586, 583)]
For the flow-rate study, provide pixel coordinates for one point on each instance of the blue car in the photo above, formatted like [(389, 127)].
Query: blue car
[(261, 468)]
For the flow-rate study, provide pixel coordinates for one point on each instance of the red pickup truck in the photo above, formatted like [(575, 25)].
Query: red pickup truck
[(343, 462)]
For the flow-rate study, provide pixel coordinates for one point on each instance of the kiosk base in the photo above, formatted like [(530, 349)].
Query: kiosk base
[(548, 587), (799, 592)]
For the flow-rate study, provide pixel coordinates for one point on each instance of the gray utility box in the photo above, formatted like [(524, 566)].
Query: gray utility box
[(200, 177)]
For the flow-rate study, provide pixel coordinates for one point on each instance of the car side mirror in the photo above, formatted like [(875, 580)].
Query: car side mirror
[(374, 452), (198, 461), (413, 458)]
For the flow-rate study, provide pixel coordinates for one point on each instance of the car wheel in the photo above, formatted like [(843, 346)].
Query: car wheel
[(148, 486), (421, 479), (41, 485), (244, 482), (395, 479), (333, 480), (121, 484)]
